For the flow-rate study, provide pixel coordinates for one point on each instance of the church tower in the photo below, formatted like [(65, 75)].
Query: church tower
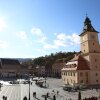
[(90, 50)]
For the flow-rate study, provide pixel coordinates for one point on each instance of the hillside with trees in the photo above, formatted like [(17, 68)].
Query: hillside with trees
[(48, 60), (53, 57)]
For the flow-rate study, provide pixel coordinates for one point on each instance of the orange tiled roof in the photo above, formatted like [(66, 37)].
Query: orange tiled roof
[(82, 63)]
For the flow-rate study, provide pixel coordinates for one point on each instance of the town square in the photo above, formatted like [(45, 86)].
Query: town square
[(19, 91), (49, 50)]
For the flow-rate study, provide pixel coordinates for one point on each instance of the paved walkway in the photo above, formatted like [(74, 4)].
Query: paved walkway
[(13, 92), (18, 91)]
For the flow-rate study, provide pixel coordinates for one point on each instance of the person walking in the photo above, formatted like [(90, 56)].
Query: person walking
[(79, 95), (54, 97), (25, 98)]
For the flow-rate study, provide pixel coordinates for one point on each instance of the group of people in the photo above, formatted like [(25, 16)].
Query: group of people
[(91, 98), (4, 97)]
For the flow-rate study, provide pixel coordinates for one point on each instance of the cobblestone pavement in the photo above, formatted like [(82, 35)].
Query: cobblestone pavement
[(13, 92), (18, 91)]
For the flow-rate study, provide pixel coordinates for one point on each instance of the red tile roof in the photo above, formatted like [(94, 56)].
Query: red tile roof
[(82, 64)]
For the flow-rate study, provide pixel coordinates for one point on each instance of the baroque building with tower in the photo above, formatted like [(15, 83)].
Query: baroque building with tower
[(84, 68)]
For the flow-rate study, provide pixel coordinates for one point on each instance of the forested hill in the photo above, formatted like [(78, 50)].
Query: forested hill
[(54, 57)]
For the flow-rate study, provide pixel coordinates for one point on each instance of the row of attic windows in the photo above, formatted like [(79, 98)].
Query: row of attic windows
[(71, 66)]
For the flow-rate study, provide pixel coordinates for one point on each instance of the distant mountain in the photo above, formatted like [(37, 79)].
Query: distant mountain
[(20, 59), (24, 59)]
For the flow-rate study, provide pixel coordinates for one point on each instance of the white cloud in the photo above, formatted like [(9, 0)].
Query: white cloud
[(61, 36), (42, 39), (38, 33), (75, 39), (59, 43), (3, 24), (49, 46), (22, 34), (63, 40), (3, 44)]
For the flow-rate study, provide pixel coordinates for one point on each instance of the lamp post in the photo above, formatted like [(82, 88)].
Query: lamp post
[(37, 67), (29, 87), (45, 78)]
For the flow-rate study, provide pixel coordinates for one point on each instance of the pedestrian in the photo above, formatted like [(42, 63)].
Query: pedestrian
[(57, 92), (25, 98), (3, 97), (6, 98), (0, 86), (47, 95), (54, 97), (79, 95), (34, 94)]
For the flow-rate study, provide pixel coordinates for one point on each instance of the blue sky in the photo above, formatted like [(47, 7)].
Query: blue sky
[(33, 28)]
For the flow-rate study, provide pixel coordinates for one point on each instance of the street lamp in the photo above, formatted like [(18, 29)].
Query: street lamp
[(37, 67), (45, 78), (29, 87)]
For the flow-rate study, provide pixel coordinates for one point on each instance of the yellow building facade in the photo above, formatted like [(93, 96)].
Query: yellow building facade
[(85, 66)]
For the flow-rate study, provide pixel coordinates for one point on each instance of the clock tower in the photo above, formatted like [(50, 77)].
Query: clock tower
[(90, 50), (85, 66), (89, 38)]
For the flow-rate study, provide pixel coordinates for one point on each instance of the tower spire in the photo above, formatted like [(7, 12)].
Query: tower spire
[(88, 26)]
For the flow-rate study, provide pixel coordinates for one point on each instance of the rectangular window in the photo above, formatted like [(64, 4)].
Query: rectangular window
[(97, 81), (81, 74), (86, 80), (95, 60), (86, 73), (96, 74), (81, 81), (66, 73), (73, 73)]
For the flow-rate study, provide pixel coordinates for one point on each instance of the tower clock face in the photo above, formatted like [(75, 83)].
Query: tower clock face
[(92, 37)]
